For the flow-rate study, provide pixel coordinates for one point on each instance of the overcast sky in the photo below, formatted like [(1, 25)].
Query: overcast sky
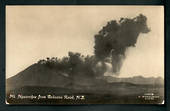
[(37, 32)]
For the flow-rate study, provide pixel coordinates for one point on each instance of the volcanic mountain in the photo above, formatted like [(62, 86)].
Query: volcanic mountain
[(42, 76)]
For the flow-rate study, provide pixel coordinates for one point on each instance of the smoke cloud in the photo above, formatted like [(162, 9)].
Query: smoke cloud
[(110, 46), (113, 39)]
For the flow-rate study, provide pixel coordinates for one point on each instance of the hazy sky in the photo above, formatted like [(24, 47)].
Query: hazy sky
[(37, 32)]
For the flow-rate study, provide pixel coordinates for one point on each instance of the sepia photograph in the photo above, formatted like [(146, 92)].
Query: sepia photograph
[(86, 54)]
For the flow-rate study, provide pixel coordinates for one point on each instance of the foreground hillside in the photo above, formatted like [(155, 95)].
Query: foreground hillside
[(117, 93)]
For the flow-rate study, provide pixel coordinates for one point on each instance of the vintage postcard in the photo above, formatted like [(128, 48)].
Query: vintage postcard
[(84, 54)]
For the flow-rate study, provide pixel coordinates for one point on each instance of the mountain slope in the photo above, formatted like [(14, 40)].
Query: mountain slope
[(37, 75)]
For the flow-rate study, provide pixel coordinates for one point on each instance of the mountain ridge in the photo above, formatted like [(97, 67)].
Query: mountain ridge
[(41, 75)]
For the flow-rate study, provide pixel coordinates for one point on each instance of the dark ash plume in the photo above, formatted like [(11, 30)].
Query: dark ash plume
[(110, 45), (114, 38)]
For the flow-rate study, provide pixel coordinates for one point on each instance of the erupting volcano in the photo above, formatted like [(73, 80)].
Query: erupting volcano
[(93, 76)]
